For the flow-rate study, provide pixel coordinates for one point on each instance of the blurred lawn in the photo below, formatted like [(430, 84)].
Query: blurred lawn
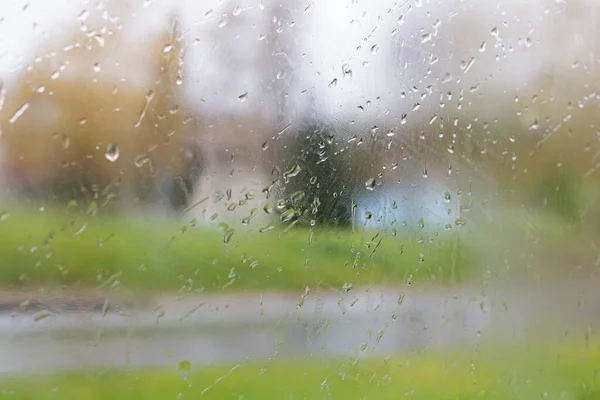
[(483, 372), (54, 248)]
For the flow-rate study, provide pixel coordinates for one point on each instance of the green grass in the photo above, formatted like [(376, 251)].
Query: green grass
[(52, 248), (483, 372)]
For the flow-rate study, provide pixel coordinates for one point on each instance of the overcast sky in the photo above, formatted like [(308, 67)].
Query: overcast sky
[(334, 56)]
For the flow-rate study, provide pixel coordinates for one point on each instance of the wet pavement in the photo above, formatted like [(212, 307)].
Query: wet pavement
[(225, 328)]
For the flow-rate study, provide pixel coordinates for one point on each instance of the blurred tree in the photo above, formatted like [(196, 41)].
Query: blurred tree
[(75, 102), (317, 182)]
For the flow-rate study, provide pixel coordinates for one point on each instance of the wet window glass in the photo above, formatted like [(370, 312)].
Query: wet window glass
[(256, 199)]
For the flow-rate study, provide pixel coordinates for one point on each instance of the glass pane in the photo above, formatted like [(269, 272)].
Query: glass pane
[(293, 199)]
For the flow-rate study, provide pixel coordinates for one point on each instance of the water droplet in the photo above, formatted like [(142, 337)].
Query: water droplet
[(426, 38), (179, 80), (290, 173), (83, 15), (243, 97), (482, 46), (447, 197), (281, 75), (409, 280), (265, 145), (167, 48), (184, 367), (288, 215), (18, 113), (112, 152), (370, 183), (266, 228), (66, 141), (347, 286), (297, 196), (534, 125), (40, 316), (227, 236), (346, 70), (141, 160), (374, 49), (24, 305), (224, 20)]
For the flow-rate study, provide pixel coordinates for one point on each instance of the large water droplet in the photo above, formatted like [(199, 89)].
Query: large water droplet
[(112, 152), (370, 183)]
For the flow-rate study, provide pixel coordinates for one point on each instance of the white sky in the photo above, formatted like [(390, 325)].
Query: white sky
[(388, 45)]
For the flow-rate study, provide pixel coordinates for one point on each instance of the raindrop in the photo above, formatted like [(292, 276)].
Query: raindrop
[(223, 21), (18, 113), (447, 197), (534, 125), (243, 97), (281, 75), (290, 173), (227, 236), (374, 49), (167, 48), (266, 228), (179, 80), (482, 46), (66, 141), (83, 15), (97, 67), (288, 215), (370, 183), (346, 70), (112, 152), (184, 368), (141, 160), (40, 316)]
